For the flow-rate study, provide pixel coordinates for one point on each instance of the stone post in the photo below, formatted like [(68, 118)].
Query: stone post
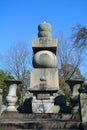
[(12, 97), (0, 99), (83, 106), (83, 103)]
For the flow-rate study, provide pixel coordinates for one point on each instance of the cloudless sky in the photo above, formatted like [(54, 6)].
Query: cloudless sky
[(19, 19)]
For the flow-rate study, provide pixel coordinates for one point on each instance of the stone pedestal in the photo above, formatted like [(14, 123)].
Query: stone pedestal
[(42, 106), (48, 76), (43, 99)]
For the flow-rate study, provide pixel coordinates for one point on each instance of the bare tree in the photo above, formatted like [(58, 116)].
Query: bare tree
[(18, 60), (79, 39), (79, 36), (68, 59)]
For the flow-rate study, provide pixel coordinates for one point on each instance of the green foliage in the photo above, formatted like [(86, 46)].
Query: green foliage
[(67, 93), (4, 76)]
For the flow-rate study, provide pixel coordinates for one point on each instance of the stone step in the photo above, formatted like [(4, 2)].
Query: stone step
[(15, 124), (39, 116), (17, 121), (42, 129), (46, 129)]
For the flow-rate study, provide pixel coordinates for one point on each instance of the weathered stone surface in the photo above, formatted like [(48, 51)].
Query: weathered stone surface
[(51, 76), (45, 59), (44, 80), (39, 124), (43, 89), (83, 105), (41, 96), (56, 109), (11, 97), (44, 30), (53, 116), (44, 27), (42, 106), (44, 44), (44, 34)]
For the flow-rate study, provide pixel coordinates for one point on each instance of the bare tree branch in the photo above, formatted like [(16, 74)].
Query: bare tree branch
[(79, 37), (18, 60), (68, 58)]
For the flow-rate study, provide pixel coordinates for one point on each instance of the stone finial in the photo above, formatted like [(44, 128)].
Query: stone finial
[(44, 30), (44, 22)]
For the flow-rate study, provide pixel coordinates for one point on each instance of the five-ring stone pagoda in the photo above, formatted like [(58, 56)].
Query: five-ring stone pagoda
[(44, 81)]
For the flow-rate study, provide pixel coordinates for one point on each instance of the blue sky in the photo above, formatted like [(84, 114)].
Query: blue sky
[(19, 19)]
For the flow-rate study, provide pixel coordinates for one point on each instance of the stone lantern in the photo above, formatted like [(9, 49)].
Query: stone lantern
[(74, 85), (12, 97)]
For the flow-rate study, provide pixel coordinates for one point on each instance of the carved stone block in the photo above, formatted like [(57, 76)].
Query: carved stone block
[(42, 106), (51, 77)]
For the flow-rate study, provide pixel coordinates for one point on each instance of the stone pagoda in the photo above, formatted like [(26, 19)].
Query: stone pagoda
[(44, 81)]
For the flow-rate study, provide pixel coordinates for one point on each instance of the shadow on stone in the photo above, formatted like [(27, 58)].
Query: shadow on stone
[(60, 100), (65, 109), (26, 107)]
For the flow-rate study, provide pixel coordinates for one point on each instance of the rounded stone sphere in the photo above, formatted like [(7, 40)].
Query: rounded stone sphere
[(44, 27), (45, 59)]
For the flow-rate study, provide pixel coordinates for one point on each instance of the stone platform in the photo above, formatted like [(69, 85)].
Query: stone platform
[(38, 122)]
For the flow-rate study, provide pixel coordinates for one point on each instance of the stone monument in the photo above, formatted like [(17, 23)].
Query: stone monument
[(44, 95), (44, 81)]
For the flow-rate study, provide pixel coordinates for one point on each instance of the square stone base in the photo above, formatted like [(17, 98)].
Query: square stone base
[(42, 106), (50, 74)]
